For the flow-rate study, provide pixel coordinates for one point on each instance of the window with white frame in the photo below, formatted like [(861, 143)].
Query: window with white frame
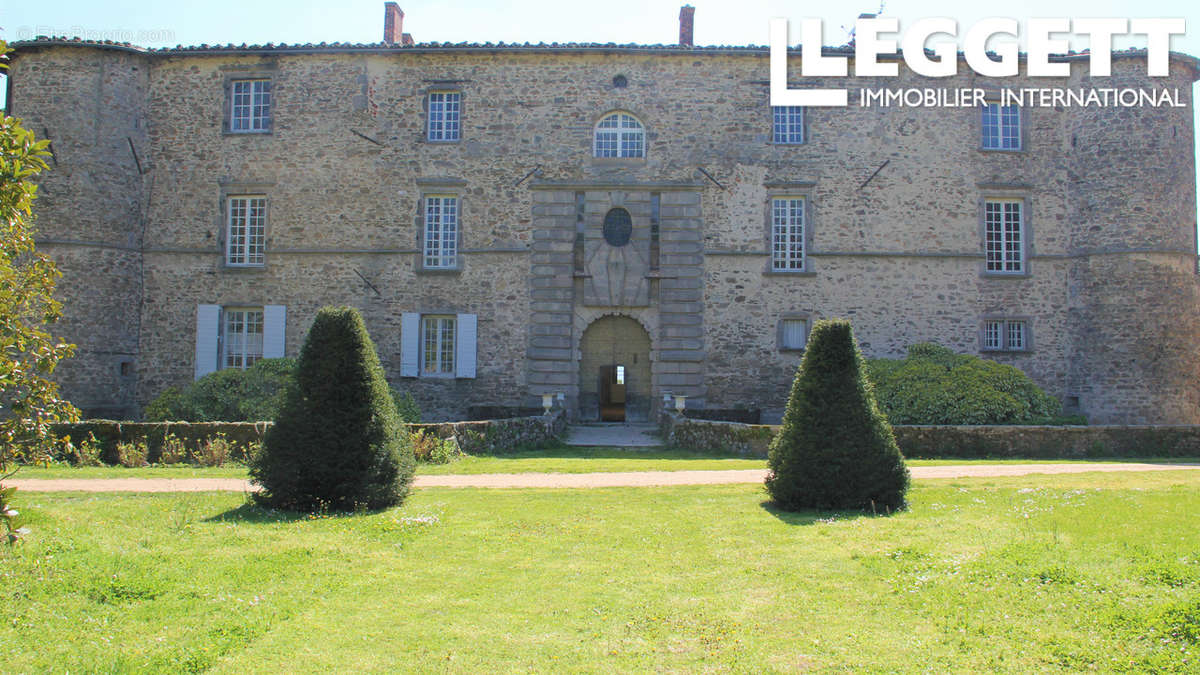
[(236, 337), (1001, 127), (787, 234), (793, 334), (246, 231), (619, 134), (441, 231), (243, 337), (1004, 236), (788, 125), (437, 345), (1005, 335), (250, 106), (445, 115)]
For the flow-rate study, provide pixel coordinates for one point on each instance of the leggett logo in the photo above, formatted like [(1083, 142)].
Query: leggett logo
[(1002, 61)]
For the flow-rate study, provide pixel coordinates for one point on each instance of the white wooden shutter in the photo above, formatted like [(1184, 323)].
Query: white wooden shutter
[(208, 328), (464, 358), (274, 331), (410, 344)]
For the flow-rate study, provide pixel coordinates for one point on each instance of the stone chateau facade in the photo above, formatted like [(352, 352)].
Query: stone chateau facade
[(614, 223)]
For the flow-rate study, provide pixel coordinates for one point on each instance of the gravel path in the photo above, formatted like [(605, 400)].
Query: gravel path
[(571, 480)]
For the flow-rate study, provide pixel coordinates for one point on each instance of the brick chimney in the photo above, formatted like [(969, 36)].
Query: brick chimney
[(687, 15), (393, 24)]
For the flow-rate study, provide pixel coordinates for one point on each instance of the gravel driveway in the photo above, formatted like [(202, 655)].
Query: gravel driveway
[(573, 480)]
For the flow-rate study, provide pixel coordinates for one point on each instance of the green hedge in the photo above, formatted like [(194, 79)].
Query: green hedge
[(933, 385)]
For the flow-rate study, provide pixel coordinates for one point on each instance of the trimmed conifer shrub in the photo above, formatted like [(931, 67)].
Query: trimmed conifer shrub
[(337, 443), (836, 449)]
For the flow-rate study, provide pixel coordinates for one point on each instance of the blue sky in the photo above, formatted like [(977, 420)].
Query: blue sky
[(155, 23), (743, 22)]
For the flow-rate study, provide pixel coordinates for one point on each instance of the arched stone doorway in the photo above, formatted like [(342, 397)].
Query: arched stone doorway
[(614, 371)]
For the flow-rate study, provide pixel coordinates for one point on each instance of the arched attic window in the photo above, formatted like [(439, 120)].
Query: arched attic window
[(619, 134)]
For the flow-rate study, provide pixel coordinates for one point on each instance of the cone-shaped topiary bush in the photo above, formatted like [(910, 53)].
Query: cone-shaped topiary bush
[(835, 450), (337, 443)]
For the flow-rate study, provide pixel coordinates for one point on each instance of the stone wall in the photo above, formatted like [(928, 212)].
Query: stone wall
[(498, 437), (932, 441), (894, 234), (475, 438), (92, 106)]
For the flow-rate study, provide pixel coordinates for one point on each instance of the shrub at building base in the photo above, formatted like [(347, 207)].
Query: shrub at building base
[(835, 449), (251, 395), (933, 385), (337, 443), (230, 395)]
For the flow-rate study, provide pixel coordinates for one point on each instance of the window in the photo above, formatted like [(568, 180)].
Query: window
[(787, 234), (1001, 127), (445, 111), (441, 231), (1005, 335), (236, 337), (789, 124), (793, 334), (620, 134), (250, 106), (1004, 236), (437, 345), (243, 337), (246, 232)]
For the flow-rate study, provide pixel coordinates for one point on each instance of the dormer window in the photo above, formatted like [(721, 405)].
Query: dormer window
[(619, 134)]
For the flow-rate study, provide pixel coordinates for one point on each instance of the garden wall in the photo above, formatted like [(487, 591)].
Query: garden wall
[(499, 436), (1044, 442), (487, 436)]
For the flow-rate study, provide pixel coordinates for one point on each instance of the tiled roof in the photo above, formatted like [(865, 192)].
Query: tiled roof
[(423, 47)]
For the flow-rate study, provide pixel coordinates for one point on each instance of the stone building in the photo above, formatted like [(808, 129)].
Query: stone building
[(614, 223)]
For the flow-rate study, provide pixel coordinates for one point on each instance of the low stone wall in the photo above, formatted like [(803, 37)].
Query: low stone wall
[(499, 436), (744, 439), (1033, 442), (1039, 442), (110, 432), (481, 437)]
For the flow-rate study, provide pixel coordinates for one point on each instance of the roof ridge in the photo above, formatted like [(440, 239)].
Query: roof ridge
[(45, 41)]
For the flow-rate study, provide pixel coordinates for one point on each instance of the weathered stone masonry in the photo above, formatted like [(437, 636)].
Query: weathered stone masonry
[(133, 210)]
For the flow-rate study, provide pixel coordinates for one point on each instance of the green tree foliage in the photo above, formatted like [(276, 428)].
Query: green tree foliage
[(933, 385), (836, 449), (251, 395), (29, 400), (230, 395), (337, 442)]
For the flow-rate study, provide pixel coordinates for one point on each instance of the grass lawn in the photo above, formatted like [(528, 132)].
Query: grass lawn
[(1038, 573)]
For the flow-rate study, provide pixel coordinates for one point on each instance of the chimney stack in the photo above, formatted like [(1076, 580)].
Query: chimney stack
[(687, 15), (393, 24)]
